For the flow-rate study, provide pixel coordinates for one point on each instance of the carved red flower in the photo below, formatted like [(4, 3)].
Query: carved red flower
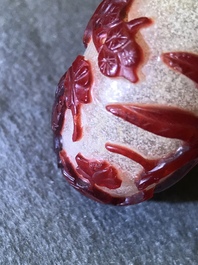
[(115, 39)]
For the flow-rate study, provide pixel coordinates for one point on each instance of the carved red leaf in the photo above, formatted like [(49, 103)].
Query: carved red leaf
[(74, 89), (59, 107), (183, 62), (165, 121)]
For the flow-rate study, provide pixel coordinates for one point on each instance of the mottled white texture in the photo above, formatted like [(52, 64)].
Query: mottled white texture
[(174, 28), (43, 221)]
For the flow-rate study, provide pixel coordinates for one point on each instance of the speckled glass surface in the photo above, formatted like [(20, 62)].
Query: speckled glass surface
[(122, 112), (42, 219)]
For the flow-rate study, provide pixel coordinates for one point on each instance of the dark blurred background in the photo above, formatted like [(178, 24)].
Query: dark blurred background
[(42, 219)]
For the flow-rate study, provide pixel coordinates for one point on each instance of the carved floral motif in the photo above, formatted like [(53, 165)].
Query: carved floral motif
[(119, 54), (114, 37)]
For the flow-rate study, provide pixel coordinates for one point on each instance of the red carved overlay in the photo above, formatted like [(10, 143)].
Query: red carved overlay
[(119, 54), (90, 175), (164, 121), (115, 39), (99, 173), (73, 91), (183, 62)]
